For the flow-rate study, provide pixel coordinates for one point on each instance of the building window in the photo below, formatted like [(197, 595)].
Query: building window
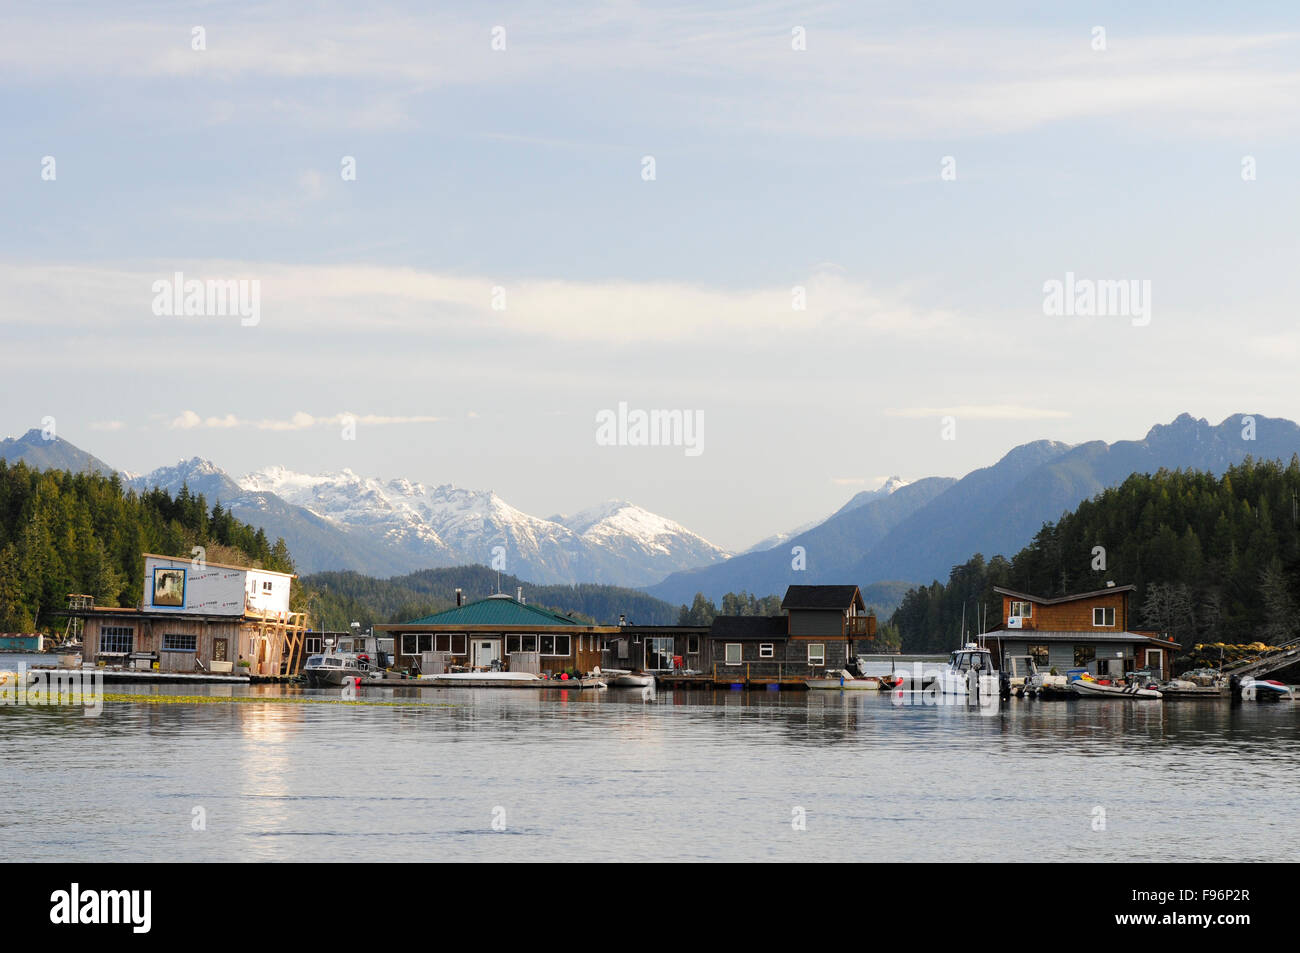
[(180, 643), (1084, 655), (521, 643), (266, 587), (409, 640), (219, 650), (554, 645), (734, 653), (765, 650), (1103, 616), (1022, 610), (659, 652), (311, 644), (692, 645), (116, 638), (816, 653), (1039, 654)]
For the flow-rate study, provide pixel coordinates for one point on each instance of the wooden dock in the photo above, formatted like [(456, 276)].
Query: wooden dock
[(433, 681), (139, 677)]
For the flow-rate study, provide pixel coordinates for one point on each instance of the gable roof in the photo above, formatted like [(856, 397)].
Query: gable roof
[(749, 627), (497, 610), (822, 597), (1043, 601)]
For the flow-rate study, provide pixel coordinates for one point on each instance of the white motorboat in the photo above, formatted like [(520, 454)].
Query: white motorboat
[(1088, 688), (970, 671), (625, 678), (842, 680)]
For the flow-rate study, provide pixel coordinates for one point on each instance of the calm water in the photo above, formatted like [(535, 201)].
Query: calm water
[(614, 775)]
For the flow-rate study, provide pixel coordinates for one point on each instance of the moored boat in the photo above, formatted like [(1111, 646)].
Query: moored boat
[(623, 678), (1091, 688), (1265, 690), (842, 680), (333, 669)]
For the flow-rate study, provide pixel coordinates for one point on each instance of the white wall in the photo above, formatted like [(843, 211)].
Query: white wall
[(213, 590)]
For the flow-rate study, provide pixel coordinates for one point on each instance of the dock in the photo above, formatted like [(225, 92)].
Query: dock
[(137, 677), (486, 681)]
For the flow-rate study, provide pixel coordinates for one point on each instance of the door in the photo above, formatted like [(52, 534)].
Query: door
[(1155, 662), (486, 651)]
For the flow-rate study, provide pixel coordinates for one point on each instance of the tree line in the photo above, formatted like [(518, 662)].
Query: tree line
[(85, 533), (1214, 559)]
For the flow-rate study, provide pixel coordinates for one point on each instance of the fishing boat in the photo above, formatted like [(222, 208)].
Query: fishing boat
[(1087, 687), (1264, 690), (333, 667)]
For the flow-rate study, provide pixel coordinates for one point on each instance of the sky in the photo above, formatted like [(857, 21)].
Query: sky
[(825, 231)]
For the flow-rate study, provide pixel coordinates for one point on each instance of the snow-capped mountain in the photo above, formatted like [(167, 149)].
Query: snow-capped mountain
[(382, 527)]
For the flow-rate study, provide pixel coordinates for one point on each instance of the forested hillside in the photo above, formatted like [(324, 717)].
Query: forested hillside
[(345, 597), (1215, 559), (64, 532)]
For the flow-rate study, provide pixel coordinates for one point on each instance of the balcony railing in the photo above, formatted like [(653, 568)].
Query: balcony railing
[(860, 625)]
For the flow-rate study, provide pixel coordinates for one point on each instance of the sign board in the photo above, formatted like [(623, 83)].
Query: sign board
[(187, 586)]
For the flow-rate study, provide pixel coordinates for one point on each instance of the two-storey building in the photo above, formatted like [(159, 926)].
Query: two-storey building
[(1086, 630)]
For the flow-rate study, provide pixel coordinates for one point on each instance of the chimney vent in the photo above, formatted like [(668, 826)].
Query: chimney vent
[(460, 598), (519, 593), (622, 619)]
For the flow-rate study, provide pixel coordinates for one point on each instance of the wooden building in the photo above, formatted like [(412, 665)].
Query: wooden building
[(499, 632), (199, 617), (820, 629), (1088, 630), (657, 648)]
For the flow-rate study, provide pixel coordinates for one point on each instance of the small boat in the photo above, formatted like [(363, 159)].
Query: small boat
[(624, 678), (842, 680), (1090, 688), (1267, 690)]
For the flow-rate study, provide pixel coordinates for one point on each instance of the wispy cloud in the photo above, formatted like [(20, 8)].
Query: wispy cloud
[(981, 412), (189, 420), (321, 298)]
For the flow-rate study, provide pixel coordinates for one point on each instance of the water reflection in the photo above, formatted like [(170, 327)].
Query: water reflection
[(695, 774)]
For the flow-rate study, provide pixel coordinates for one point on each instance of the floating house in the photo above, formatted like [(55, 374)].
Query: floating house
[(197, 616), (500, 632), (657, 648), (1087, 630), (818, 630)]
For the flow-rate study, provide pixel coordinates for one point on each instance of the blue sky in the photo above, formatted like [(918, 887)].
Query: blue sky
[(521, 169)]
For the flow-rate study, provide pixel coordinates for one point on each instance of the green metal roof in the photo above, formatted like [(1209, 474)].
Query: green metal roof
[(497, 610)]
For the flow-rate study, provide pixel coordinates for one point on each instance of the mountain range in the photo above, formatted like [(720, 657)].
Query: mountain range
[(344, 521), (883, 539), (920, 531)]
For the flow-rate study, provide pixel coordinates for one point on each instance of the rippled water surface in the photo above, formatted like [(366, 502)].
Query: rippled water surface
[(622, 775)]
